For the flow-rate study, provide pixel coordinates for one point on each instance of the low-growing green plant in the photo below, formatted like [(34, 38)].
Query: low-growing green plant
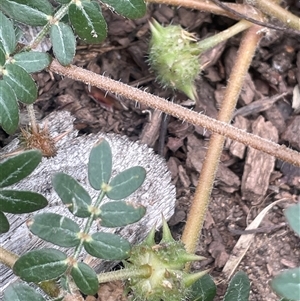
[(155, 271), (85, 19)]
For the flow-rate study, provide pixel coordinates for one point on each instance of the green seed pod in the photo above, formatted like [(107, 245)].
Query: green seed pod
[(174, 57), (166, 261)]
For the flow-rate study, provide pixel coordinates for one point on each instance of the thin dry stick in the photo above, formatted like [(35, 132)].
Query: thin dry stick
[(201, 199), (279, 151)]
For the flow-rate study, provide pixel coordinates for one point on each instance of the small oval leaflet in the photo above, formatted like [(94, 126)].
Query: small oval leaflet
[(17, 168), (73, 195), (85, 278), (21, 292), (126, 182), (88, 21), (7, 34), (121, 213), (63, 42), (40, 265), (17, 202), (55, 228), (34, 12), (100, 164), (107, 246), (287, 284), (9, 111), (21, 82), (32, 61)]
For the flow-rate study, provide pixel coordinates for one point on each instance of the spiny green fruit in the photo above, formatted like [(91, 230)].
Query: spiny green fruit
[(167, 279), (174, 57)]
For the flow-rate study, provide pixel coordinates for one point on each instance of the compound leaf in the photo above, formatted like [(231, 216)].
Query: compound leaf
[(40, 265)]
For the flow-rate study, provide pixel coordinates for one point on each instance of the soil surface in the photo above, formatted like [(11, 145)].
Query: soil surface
[(247, 181)]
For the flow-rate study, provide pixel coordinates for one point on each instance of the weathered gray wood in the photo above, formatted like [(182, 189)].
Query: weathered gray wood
[(157, 193), (258, 166)]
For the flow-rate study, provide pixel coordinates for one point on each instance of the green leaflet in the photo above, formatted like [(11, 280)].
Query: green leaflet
[(287, 284), (56, 229), (100, 164), (292, 214), (239, 288), (107, 246), (204, 289), (18, 167), (85, 278), (41, 265), (32, 61), (126, 182), (73, 195), (31, 12), (88, 22), (9, 111), (121, 213), (17, 202), (21, 83), (63, 43), (7, 34), (4, 224), (131, 9), (21, 292)]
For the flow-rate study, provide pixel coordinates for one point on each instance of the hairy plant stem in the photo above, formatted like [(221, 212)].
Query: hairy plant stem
[(274, 10), (207, 6), (88, 225), (279, 151), (32, 118), (199, 206), (123, 274)]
